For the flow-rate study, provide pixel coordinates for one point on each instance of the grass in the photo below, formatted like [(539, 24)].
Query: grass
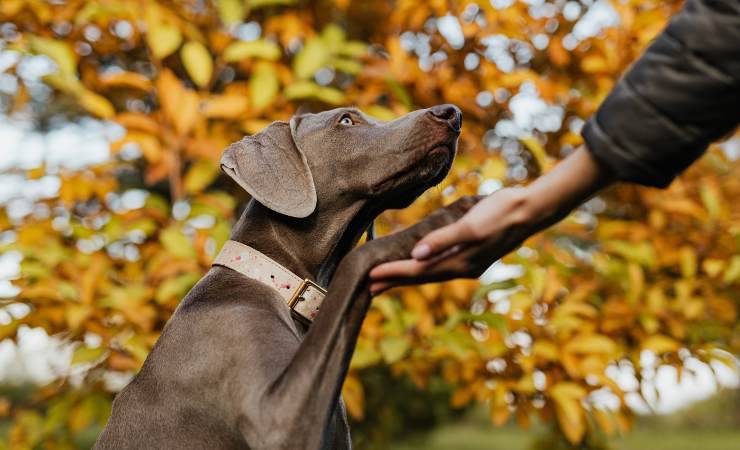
[(474, 433)]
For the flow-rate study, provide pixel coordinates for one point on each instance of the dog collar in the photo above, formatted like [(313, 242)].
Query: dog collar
[(303, 296)]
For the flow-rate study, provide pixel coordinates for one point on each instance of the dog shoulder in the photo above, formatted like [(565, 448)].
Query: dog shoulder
[(228, 305)]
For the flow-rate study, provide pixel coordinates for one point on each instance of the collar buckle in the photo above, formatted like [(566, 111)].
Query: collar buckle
[(305, 315)]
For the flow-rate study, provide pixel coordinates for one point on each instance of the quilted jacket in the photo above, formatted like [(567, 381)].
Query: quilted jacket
[(678, 97)]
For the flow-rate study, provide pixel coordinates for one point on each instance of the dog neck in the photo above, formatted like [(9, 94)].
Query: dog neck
[(310, 247)]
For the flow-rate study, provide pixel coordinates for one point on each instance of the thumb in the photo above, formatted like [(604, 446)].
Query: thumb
[(441, 239)]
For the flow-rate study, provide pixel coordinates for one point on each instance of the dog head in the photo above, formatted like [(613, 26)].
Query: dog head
[(342, 156)]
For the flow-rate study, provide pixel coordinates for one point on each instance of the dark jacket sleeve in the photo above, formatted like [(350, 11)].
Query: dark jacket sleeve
[(680, 95)]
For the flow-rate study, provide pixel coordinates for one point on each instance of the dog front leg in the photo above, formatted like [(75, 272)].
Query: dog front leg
[(306, 392)]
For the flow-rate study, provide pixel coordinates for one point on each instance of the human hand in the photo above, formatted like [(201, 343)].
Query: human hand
[(466, 248), (495, 226)]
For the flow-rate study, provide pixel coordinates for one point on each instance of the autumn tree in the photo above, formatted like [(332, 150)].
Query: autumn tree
[(635, 279)]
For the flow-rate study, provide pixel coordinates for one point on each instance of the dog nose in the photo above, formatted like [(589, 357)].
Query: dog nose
[(448, 113)]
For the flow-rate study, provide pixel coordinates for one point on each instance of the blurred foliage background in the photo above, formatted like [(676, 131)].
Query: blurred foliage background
[(635, 281)]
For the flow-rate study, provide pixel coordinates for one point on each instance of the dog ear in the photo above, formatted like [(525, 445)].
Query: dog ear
[(273, 170)]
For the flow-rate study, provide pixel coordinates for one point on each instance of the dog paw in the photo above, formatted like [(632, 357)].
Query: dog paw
[(398, 245)]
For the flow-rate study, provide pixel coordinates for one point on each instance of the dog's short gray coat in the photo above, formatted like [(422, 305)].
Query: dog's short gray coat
[(232, 368)]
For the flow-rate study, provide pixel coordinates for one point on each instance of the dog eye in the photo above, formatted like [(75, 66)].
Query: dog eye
[(346, 120)]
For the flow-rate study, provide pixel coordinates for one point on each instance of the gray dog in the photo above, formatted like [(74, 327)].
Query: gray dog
[(245, 362)]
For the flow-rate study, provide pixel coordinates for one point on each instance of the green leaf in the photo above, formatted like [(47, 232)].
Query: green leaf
[(493, 320), (346, 65), (220, 233), (176, 288), (483, 290), (157, 203), (240, 50), (400, 92), (352, 49), (264, 86), (87, 355), (254, 4), (393, 348), (732, 273), (365, 355), (641, 253)]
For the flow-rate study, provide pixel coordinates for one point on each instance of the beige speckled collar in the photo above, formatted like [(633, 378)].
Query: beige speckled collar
[(303, 297)]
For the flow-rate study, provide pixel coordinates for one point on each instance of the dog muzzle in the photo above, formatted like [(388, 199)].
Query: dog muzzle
[(303, 296)]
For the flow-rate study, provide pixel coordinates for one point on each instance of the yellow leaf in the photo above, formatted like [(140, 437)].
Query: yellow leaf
[(254, 4), (732, 274), (660, 344), (197, 62), (180, 105), (138, 121), (636, 282), (333, 36), (522, 417), (175, 288), (309, 89), (231, 11), (77, 314), (260, 48), (557, 53), (393, 348), (461, 397), (58, 50), (313, 56), (86, 355), (228, 106), (352, 49), (163, 39), (200, 175), (263, 86), (568, 410), (148, 144), (603, 418), (688, 262), (177, 243), (538, 151), (500, 414), (8, 329), (354, 397), (591, 343), (126, 79), (594, 64), (711, 196), (346, 65), (96, 104), (254, 126), (713, 267), (545, 350)]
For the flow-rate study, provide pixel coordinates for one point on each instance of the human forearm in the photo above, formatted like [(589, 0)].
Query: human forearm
[(573, 181)]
